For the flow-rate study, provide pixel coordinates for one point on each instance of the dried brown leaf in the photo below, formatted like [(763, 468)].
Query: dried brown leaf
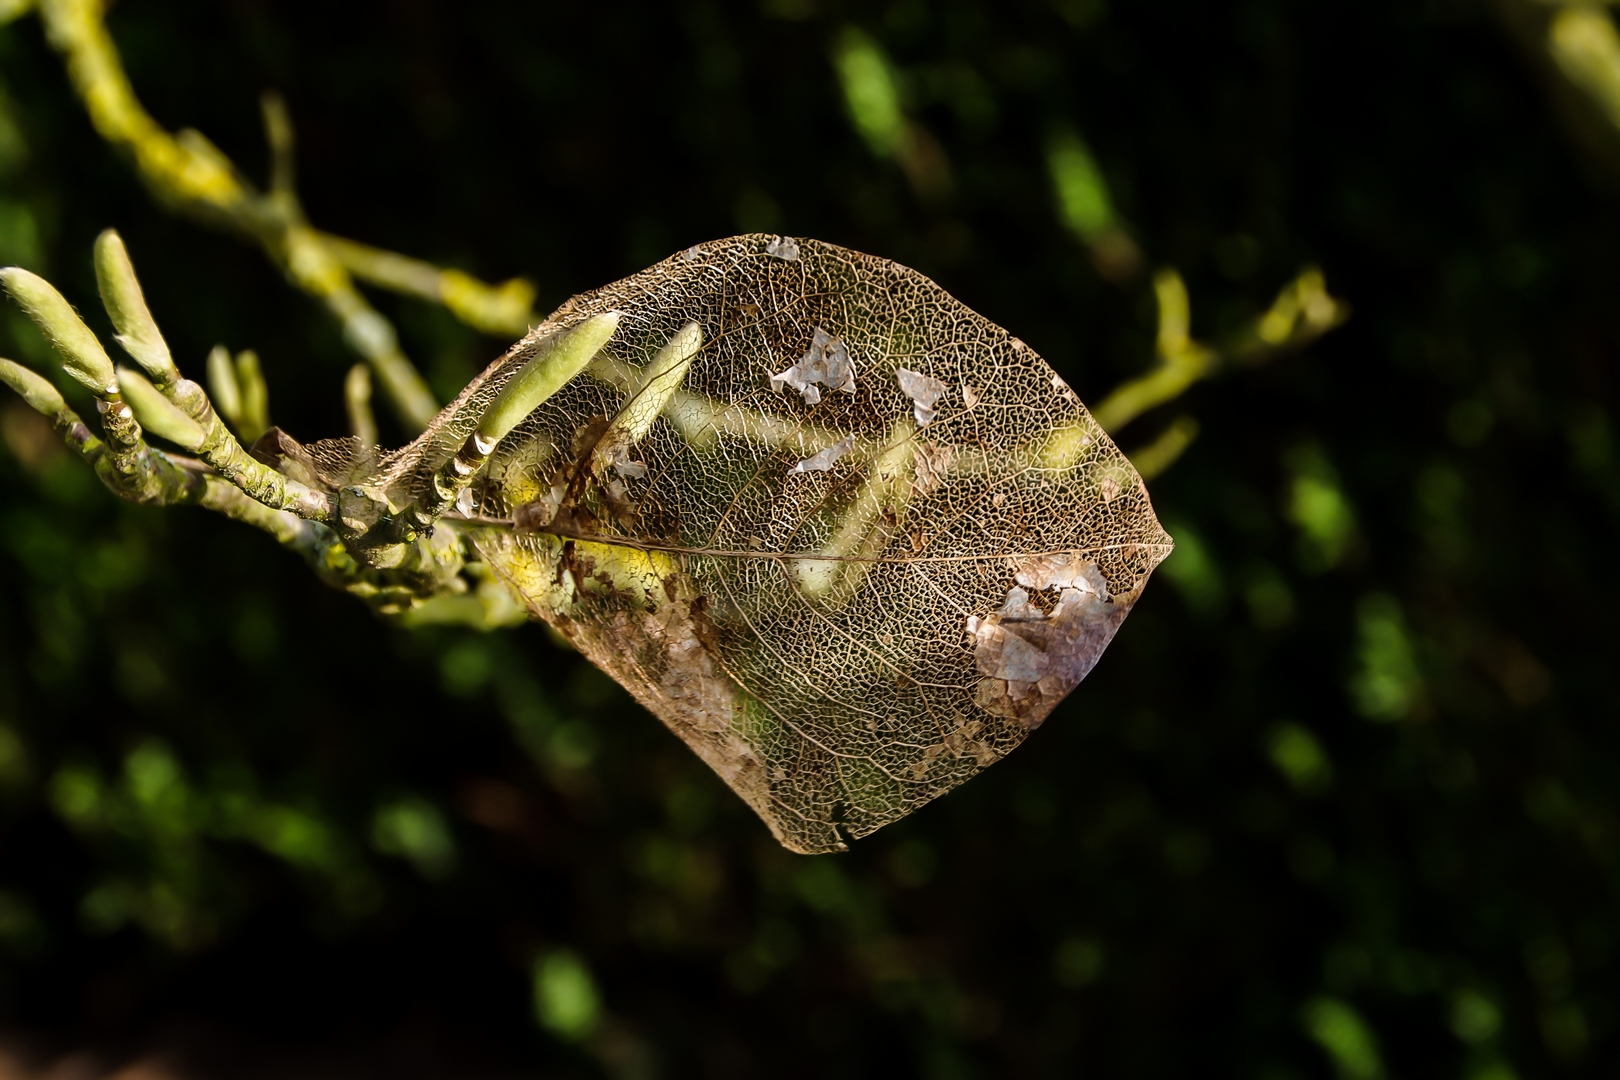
[(844, 615)]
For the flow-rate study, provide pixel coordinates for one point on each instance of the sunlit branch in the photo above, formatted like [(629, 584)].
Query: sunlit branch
[(1182, 361), (1302, 312), (354, 538), (135, 471), (141, 474), (505, 309), (188, 173), (1161, 453)]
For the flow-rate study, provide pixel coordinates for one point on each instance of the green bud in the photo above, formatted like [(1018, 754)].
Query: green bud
[(657, 383), (557, 360), (125, 303), (157, 414), (37, 391), (223, 388), (255, 396), (357, 401), (81, 353)]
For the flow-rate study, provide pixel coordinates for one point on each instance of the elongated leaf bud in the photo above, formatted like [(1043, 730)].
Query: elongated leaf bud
[(559, 358), (223, 388), (81, 352), (157, 414), (357, 402), (659, 380), (35, 389), (126, 305), (255, 396)]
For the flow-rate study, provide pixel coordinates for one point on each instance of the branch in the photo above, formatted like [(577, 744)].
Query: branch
[(504, 310), (188, 173), (1182, 361), (1161, 453), (394, 578), (138, 473), (1302, 312)]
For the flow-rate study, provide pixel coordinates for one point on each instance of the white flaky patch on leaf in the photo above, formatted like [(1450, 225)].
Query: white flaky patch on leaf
[(924, 392), (1031, 658), (933, 464), (825, 363), (1062, 570), (799, 627), (783, 247), (626, 468), (822, 460)]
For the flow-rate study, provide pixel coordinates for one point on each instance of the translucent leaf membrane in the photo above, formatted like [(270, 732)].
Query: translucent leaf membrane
[(840, 643)]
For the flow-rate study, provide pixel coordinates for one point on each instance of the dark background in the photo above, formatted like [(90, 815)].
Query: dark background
[(196, 737)]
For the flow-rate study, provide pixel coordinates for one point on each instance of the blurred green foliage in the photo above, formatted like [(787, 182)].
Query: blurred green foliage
[(1340, 801)]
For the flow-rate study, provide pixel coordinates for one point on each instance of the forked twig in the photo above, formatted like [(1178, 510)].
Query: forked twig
[(1302, 312), (189, 173)]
